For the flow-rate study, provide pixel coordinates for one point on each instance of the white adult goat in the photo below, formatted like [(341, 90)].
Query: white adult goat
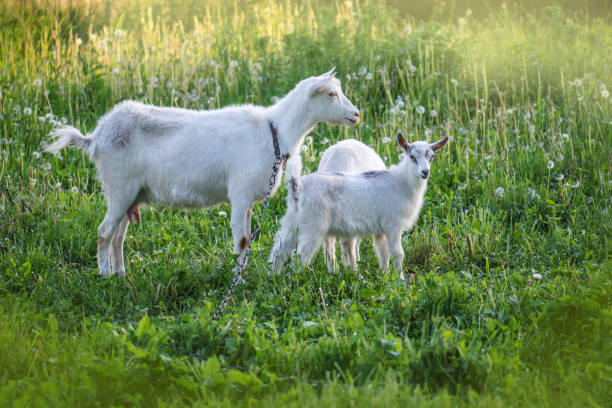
[(350, 157), (188, 158), (384, 203)]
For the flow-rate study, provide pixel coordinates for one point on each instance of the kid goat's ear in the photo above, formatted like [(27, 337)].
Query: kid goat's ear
[(439, 144), (402, 142)]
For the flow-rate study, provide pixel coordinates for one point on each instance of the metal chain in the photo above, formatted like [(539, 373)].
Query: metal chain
[(238, 277)]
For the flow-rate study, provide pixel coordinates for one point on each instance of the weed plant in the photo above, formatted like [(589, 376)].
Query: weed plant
[(510, 304)]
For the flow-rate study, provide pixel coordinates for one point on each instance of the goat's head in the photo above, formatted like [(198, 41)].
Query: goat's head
[(327, 101), (420, 154)]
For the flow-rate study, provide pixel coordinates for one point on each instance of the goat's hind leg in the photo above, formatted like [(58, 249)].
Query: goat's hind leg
[(348, 249), (382, 251), (116, 248)]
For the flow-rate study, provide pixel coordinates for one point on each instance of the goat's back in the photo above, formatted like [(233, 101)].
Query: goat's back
[(350, 156)]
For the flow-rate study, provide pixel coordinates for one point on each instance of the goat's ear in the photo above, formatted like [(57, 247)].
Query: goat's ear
[(402, 142), (331, 73), (321, 84), (439, 144)]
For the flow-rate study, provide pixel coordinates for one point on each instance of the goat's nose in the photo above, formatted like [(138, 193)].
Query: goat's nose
[(424, 173), (356, 114)]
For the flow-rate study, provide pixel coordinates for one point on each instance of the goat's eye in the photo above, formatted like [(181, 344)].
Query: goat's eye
[(413, 158), (333, 94)]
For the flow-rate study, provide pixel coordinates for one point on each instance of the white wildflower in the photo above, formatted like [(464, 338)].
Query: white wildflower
[(531, 128), (499, 193), (462, 186), (46, 166), (119, 32), (604, 93), (74, 189), (576, 184), (368, 77), (325, 141), (36, 155), (303, 148), (312, 158), (420, 110), (233, 64), (550, 164), (27, 111), (78, 41), (309, 139), (454, 82), (115, 71), (559, 177), (433, 113), (386, 139), (531, 193), (428, 132), (37, 82), (222, 214), (536, 276), (565, 136), (362, 71)]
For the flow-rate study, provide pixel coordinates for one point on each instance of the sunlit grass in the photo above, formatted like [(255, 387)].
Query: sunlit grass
[(510, 253)]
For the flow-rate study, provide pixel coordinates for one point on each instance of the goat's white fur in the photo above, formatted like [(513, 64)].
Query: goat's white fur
[(350, 157), (384, 203), (193, 159)]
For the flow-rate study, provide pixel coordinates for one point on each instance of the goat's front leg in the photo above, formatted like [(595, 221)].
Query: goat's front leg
[(240, 233), (395, 247), (382, 251)]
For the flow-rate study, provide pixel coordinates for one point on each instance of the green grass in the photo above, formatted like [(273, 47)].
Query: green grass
[(523, 188)]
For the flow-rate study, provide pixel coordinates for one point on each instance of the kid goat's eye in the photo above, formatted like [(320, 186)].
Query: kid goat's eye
[(333, 94), (413, 158)]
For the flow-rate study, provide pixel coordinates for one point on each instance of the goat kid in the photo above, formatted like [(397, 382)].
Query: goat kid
[(384, 203), (350, 157), (194, 159)]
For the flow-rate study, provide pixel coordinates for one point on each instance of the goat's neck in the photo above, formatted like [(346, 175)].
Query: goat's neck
[(293, 121), (413, 186)]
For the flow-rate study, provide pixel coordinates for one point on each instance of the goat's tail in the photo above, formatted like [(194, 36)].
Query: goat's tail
[(68, 136)]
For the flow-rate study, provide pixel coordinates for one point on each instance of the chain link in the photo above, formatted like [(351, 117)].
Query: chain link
[(243, 263)]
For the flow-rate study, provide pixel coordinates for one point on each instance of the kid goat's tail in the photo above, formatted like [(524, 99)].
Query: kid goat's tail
[(68, 136), (293, 180)]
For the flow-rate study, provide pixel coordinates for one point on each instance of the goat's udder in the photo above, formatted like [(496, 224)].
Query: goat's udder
[(133, 213)]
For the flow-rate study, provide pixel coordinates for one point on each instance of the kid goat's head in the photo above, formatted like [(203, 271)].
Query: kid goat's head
[(420, 154), (327, 101)]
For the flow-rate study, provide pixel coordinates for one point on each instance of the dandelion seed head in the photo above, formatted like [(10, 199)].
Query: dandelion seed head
[(499, 193), (368, 77), (304, 148), (386, 139), (576, 184), (559, 177), (115, 71), (605, 94), (27, 111), (37, 82), (74, 189), (233, 64), (433, 113), (362, 71), (536, 276), (36, 155), (420, 110), (550, 164)]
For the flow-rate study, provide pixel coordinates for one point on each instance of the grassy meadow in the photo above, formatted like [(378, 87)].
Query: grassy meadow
[(511, 301)]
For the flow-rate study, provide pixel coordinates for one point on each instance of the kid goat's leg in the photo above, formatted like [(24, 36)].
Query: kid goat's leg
[(284, 242), (330, 251), (348, 248)]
